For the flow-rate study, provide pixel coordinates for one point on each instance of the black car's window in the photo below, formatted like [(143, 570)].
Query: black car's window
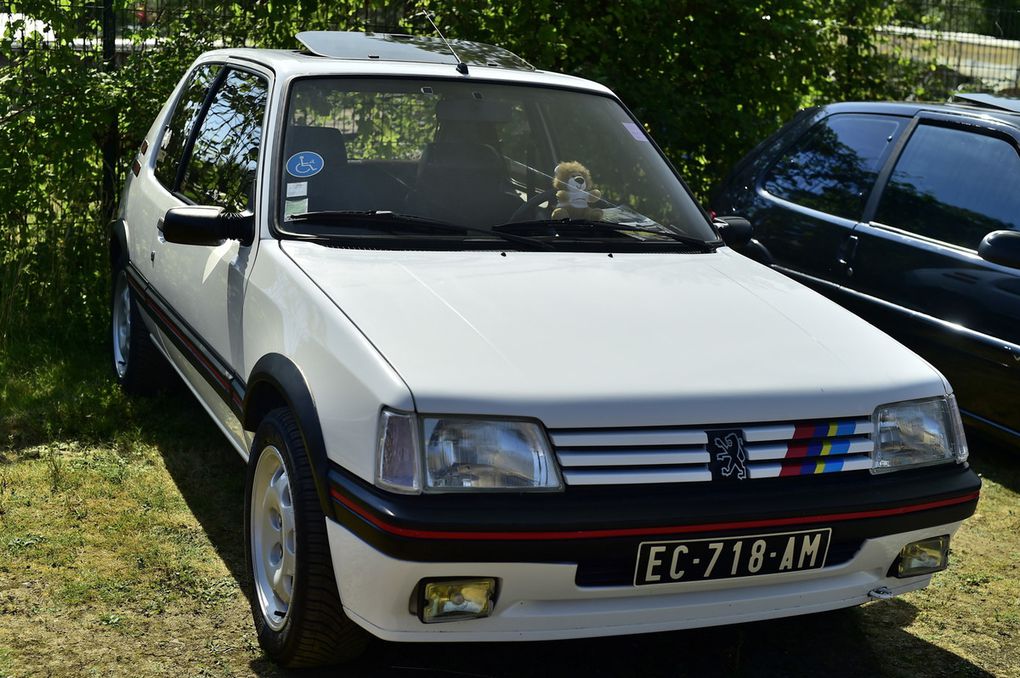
[(834, 166), (954, 186), (221, 167), (171, 146)]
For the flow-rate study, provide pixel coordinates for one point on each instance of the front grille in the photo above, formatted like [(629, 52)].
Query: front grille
[(680, 455)]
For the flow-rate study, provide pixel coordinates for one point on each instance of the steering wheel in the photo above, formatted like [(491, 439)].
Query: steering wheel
[(531, 203)]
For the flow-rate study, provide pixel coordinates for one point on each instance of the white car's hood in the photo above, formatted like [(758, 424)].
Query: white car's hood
[(583, 339)]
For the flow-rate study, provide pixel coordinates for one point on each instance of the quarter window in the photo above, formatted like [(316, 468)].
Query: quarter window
[(221, 167), (834, 166), (953, 186), (182, 122)]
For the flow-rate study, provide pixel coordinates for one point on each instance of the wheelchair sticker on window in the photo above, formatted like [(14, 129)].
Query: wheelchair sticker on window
[(305, 164)]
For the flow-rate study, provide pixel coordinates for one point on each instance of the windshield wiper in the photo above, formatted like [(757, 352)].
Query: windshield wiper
[(388, 221), (603, 227)]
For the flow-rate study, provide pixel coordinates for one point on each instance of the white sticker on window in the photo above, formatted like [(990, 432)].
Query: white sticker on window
[(298, 206), (635, 131), (297, 189)]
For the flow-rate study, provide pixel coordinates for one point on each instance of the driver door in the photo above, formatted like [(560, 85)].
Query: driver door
[(201, 288)]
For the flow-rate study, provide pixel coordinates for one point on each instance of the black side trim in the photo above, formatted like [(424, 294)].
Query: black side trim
[(203, 358), (273, 375), (366, 511)]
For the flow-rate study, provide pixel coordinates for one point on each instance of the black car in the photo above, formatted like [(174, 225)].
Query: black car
[(909, 215)]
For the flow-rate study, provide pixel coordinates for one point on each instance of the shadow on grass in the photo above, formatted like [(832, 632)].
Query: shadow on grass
[(843, 643), (995, 459)]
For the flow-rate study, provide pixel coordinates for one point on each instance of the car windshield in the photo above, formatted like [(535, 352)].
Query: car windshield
[(519, 161)]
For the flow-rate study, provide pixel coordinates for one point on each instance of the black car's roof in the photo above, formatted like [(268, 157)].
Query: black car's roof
[(911, 109)]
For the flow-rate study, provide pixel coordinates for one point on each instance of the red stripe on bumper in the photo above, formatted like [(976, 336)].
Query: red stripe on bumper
[(641, 531)]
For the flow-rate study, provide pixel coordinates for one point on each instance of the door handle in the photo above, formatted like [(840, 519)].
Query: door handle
[(847, 252)]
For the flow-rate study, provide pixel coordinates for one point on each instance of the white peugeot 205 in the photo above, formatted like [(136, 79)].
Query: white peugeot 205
[(490, 364)]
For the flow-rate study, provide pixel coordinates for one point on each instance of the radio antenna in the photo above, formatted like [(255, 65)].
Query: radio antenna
[(461, 66)]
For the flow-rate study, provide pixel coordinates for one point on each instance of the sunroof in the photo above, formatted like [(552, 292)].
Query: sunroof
[(394, 47)]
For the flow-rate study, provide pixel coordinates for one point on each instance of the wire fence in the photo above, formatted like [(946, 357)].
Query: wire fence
[(100, 26), (971, 46)]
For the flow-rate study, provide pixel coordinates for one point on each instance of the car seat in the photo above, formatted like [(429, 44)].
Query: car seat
[(464, 183)]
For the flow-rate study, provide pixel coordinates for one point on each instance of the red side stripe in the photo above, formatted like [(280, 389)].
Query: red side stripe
[(640, 531), (180, 335)]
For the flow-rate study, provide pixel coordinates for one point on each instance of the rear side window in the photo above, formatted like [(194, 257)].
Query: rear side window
[(953, 186), (221, 166), (182, 122), (833, 167)]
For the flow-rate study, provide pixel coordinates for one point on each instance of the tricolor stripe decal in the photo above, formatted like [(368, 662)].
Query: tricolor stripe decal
[(810, 442)]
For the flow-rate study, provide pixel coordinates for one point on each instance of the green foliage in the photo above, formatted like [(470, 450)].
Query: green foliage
[(708, 79)]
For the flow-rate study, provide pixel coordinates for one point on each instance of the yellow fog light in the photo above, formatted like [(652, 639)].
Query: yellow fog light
[(923, 557), (453, 599)]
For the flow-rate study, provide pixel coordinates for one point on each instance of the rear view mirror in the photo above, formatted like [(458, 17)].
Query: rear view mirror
[(735, 231), (202, 225), (1001, 247)]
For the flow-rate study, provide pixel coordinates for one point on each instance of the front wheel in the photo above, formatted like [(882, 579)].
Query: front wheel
[(294, 599)]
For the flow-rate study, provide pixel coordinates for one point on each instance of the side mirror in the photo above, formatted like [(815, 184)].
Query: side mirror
[(202, 225), (1001, 247), (735, 231)]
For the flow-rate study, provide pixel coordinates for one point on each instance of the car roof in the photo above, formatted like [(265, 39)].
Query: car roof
[(389, 55), (966, 105)]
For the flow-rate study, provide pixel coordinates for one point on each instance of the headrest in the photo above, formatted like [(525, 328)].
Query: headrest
[(465, 157), (326, 141)]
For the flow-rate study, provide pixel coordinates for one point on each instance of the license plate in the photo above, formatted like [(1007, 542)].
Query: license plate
[(663, 562)]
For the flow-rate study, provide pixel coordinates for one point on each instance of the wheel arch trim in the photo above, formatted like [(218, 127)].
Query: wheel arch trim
[(118, 243), (276, 381)]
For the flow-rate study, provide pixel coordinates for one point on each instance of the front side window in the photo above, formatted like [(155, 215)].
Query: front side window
[(182, 122), (953, 186), (221, 166), (833, 168), (476, 156)]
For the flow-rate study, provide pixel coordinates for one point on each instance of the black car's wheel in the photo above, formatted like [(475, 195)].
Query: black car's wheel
[(294, 597), (138, 365)]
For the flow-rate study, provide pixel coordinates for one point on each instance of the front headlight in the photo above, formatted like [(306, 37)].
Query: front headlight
[(918, 433), (483, 454), (460, 454)]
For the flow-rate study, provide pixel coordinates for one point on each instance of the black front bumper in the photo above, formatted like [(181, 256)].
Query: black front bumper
[(599, 528)]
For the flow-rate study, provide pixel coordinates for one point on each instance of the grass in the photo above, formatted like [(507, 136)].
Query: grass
[(121, 555)]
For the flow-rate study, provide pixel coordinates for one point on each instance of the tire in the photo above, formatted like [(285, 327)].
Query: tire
[(139, 367), (298, 615)]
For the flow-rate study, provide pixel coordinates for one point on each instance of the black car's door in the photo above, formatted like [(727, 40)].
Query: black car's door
[(916, 267), (811, 198)]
